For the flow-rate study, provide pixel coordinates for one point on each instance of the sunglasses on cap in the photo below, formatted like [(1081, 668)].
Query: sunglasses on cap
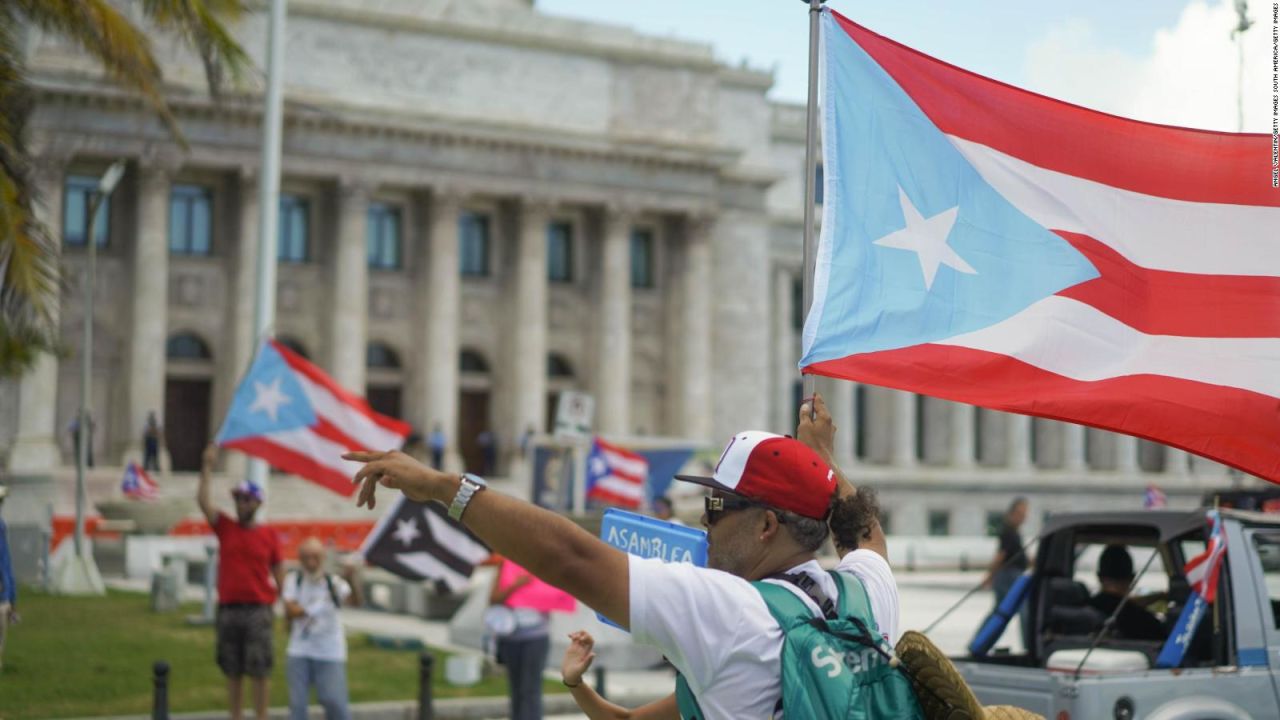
[(715, 506)]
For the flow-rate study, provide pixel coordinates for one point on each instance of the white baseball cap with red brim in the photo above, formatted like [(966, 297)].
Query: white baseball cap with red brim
[(773, 470)]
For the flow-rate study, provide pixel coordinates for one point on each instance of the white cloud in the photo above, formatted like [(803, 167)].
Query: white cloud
[(1188, 78)]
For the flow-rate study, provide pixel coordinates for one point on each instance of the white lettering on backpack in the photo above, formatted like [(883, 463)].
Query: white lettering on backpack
[(829, 660), (858, 661)]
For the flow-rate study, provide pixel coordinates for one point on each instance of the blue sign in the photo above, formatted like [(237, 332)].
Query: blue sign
[(648, 537), (1175, 648)]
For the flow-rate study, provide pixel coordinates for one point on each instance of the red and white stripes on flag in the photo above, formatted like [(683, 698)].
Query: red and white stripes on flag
[(1203, 570), (137, 484), (1178, 338), (297, 418), (615, 475)]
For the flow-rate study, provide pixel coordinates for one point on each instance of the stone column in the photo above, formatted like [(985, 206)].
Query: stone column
[(841, 406), (349, 299), (904, 429), (613, 332), (244, 277), (35, 445), (1074, 456), (150, 313), (962, 436), (741, 345), (694, 393), (1126, 453), (1176, 462), (440, 321), (244, 282), (527, 315), (1019, 447), (786, 347)]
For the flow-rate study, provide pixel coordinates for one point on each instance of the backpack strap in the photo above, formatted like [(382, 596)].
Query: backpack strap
[(333, 591), (853, 599), (296, 575), (810, 587), (783, 604)]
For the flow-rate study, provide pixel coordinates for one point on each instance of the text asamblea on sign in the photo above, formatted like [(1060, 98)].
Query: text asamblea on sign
[(647, 546)]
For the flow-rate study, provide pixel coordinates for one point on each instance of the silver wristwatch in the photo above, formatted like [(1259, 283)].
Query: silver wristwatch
[(470, 485)]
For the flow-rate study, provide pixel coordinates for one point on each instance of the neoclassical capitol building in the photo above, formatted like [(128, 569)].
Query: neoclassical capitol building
[(483, 206)]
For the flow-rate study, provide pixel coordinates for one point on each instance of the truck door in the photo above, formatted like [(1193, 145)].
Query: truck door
[(1256, 595)]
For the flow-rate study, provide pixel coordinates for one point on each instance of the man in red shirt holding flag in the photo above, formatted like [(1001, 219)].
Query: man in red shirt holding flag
[(249, 559)]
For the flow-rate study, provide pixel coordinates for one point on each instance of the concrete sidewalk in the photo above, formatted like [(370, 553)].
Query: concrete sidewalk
[(627, 688), (555, 707)]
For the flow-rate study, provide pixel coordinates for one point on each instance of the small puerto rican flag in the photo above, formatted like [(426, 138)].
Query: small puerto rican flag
[(616, 476), (1202, 570), (1154, 498), (138, 485)]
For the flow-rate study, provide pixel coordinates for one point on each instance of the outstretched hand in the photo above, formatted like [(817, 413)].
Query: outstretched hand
[(578, 658), (397, 471), (816, 428)]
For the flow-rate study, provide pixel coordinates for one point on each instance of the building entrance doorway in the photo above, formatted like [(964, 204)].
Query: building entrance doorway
[(473, 421), (186, 421)]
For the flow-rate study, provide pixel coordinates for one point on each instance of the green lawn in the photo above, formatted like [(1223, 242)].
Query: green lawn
[(75, 657)]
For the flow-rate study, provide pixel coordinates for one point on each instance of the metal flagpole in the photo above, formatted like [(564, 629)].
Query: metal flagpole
[(264, 310), (1242, 10), (810, 168)]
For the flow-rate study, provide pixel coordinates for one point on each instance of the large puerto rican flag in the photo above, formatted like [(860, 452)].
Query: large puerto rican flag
[(990, 246), (291, 414)]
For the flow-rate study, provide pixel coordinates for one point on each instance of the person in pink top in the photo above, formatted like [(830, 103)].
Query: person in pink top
[(523, 645), (250, 574)]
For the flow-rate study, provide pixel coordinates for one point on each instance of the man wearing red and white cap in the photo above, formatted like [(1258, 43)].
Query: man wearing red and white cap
[(767, 516)]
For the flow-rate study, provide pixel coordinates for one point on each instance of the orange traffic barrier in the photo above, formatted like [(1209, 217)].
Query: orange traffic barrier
[(340, 535)]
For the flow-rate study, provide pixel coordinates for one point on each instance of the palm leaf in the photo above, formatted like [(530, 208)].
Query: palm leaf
[(28, 256), (200, 22), (29, 272), (100, 29)]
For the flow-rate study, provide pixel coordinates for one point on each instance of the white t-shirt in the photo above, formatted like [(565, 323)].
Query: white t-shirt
[(318, 635), (717, 631)]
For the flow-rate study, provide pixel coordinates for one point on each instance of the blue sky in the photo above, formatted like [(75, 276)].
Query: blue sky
[(1161, 60)]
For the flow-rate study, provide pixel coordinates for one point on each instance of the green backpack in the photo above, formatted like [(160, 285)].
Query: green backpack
[(834, 667)]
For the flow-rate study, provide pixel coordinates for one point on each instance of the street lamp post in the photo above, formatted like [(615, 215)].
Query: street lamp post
[(79, 574)]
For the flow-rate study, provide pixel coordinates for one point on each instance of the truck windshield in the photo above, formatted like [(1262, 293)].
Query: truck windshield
[(1268, 547)]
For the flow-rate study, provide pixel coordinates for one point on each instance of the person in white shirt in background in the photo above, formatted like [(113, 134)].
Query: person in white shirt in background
[(317, 654)]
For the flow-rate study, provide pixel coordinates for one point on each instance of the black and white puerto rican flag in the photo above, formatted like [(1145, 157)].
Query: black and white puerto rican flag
[(420, 541)]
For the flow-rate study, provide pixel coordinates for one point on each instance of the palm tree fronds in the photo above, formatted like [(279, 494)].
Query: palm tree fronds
[(201, 24), (115, 42), (29, 259), (29, 280)]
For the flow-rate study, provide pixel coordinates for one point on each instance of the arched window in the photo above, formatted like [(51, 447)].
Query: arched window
[(558, 367), (294, 344), (471, 361), (381, 356), (187, 346)]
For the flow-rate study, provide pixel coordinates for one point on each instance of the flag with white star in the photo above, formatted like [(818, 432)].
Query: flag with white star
[(290, 413), (990, 246), (419, 541)]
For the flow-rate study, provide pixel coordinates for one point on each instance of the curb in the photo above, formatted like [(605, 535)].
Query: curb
[(449, 709)]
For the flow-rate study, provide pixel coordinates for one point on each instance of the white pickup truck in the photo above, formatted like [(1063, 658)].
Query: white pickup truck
[(1230, 671)]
